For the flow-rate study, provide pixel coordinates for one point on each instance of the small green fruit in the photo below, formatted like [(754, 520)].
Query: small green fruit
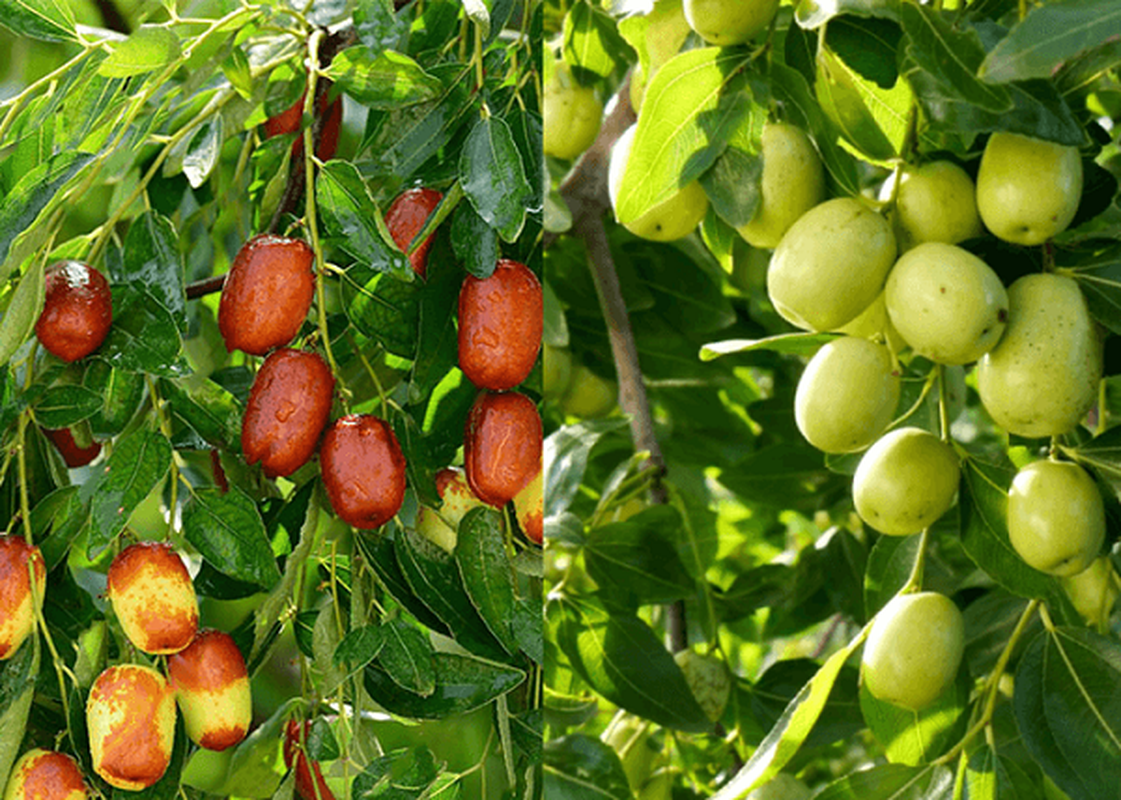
[(556, 363), (793, 183), (728, 22), (1093, 592), (1056, 518), (589, 396), (708, 679), (937, 202), (571, 117), (874, 322)]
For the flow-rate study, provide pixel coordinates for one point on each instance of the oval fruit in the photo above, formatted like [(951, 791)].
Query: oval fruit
[(72, 453), (500, 324), (873, 322), (708, 679), (77, 312), (529, 505), (363, 470), (1028, 189), (905, 482), (46, 775), (588, 396), (441, 527), (571, 117), (267, 294), (556, 366), (18, 608), (153, 597), (946, 303), (914, 649), (1093, 592), (727, 22), (793, 183), (847, 395), (1056, 517), (1043, 376), (501, 446), (130, 715), (288, 121), (937, 202), (406, 216), (310, 783), (289, 405), (830, 265), (211, 685)]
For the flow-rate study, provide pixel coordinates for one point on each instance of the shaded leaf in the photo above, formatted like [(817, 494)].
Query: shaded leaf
[(386, 80), (228, 531), (137, 465)]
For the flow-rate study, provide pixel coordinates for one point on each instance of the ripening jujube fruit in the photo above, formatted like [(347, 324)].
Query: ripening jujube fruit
[(130, 715), (500, 325), (571, 116), (211, 685), (363, 470), (267, 294), (502, 446), (310, 783), (288, 121), (937, 202), (847, 395), (288, 406), (1093, 591), (441, 527), (77, 312), (728, 22), (72, 453), (405, 218), (914, 649), (153, 597), (905, 482), (793, 183), (1056, 517), (46, 775), (18, 608), (529, 505)]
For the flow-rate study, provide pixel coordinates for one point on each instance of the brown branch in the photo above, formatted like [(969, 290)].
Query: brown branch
[(205, 286)]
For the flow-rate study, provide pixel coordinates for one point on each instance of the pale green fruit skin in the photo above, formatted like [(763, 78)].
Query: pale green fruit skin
[(1093, 591), (905, 482), (1028, 189), (914, 649), (782, 786), (432, 527), (572, 117), (946, 303), (937, 202), (638, 87), (1056, 517), (708, 679), (847, 395), (831, 265), (873, 322), (589, 396), (556, 363), (793, 183), (1043, 376), (727, 22), (672, 219)]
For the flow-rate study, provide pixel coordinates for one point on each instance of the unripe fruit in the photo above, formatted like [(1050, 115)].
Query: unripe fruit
[(130, 715), (1093, 591), (500, 325), (153, 597), (709, 680), (529, 505), (363, 470), (831, 264), (211, 685), (937, 202), (793, 183), (72, 453), (946, 303), (1056, 517), (78, 310), (905, 482), (442, 526), (406, 216), (267, 294), (46, 775), (914, 649), (556, 365), (501, 446), (589, 396), (728, 22), (18, 608), (288, 407), (1043, 376), (571, 117), (847, 395), (1028, 189), (875, 322), (310, 783), (782, 786)]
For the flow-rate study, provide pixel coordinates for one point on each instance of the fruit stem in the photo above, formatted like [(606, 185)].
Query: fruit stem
[(24, 498), (914, 580), (943, 404), (930, 378)]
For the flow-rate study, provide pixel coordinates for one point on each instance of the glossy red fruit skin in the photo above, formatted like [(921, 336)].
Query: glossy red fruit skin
[(267, 294), (211, 683), (306, 784), (152, 594), (72, 454), (46, 775), (17, 607), (500, 325), (78, 311), (502, 446), (288, 121), (406, 216), (363, 470), (130, 714), (288, 407)]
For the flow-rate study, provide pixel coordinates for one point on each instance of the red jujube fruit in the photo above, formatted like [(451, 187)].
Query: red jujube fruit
[(267, 294), (500, 324), (17, 602), (78, 311), (46, 775), (288, 121), (310, 783), (501, 446), (72, 453), (130, 716), (363, 470), (211, 685), (153, 597), (288, 406), (406, 216)]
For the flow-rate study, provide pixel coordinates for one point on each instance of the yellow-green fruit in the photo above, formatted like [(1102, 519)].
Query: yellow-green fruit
[(946, 303), (914, 649), (831, 265), (873, 322), (556, 363), (1093, 592), (1056, 518), (442, 527), (660, 786), (669, 220), (20, 603), (847, 395), (727, 22), (1028, 189), (709, 680), (630, 737), (937, 202), (793, 183), (1043, 376), (638, 87), (46, 775), (782, 786), (572, 117), (589, 396), (905, 482), (130, 715), (529, 505)]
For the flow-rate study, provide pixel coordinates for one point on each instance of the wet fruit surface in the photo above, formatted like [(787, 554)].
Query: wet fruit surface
[(500, 325), (153, 597), (363, 470), (405, 217), (288, 406), (211, 684), (267, 294), (78, 310), (72, 453), (130, 714), (310, 783), (288, 121), (46, 775), (501, 446), (17, 608)]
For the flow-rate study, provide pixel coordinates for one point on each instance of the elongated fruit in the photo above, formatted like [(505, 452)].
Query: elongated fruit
[(500, 326), (937, 202), (363, 470), (406, 216), (442, 526), (17, 603), (153, 597), (72, 453), (77, 312), (501, 446), (130, 715), (211, 685), (46, 775), (310, 783), (1056, 517), (905, 482)]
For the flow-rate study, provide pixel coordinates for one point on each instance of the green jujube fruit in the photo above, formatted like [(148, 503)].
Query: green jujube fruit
[(1093, 592), (873, 322), (937, 202), (728, 22), (709, 680), (1043, 376), (1056, 517), (571, 116), (793, 183)]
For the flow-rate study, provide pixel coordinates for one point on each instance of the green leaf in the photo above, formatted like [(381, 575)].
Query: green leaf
[(210, 410), (381, 552), (479, 13), (149, 48), (873, 119), (351, 216), (988, 774), (783, 475), (63, 406), (24, 308), (591, 40), (57, 520), (359, 647), (203, 151), (812, 14), (137, 465), (891, 782), (48, 20), (121, 392), (437, 347), (480, 554), (463, 683), (383, 308), (406, 657), (579, 767), (918, 737), (638, 558), (1100, 280), (153, 262), (494, 179), (17, 688), (144, 336), (734, 186), (475, 242), (795, 344), (228, 531), (251, 767), (566, 458), (387, 80)]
